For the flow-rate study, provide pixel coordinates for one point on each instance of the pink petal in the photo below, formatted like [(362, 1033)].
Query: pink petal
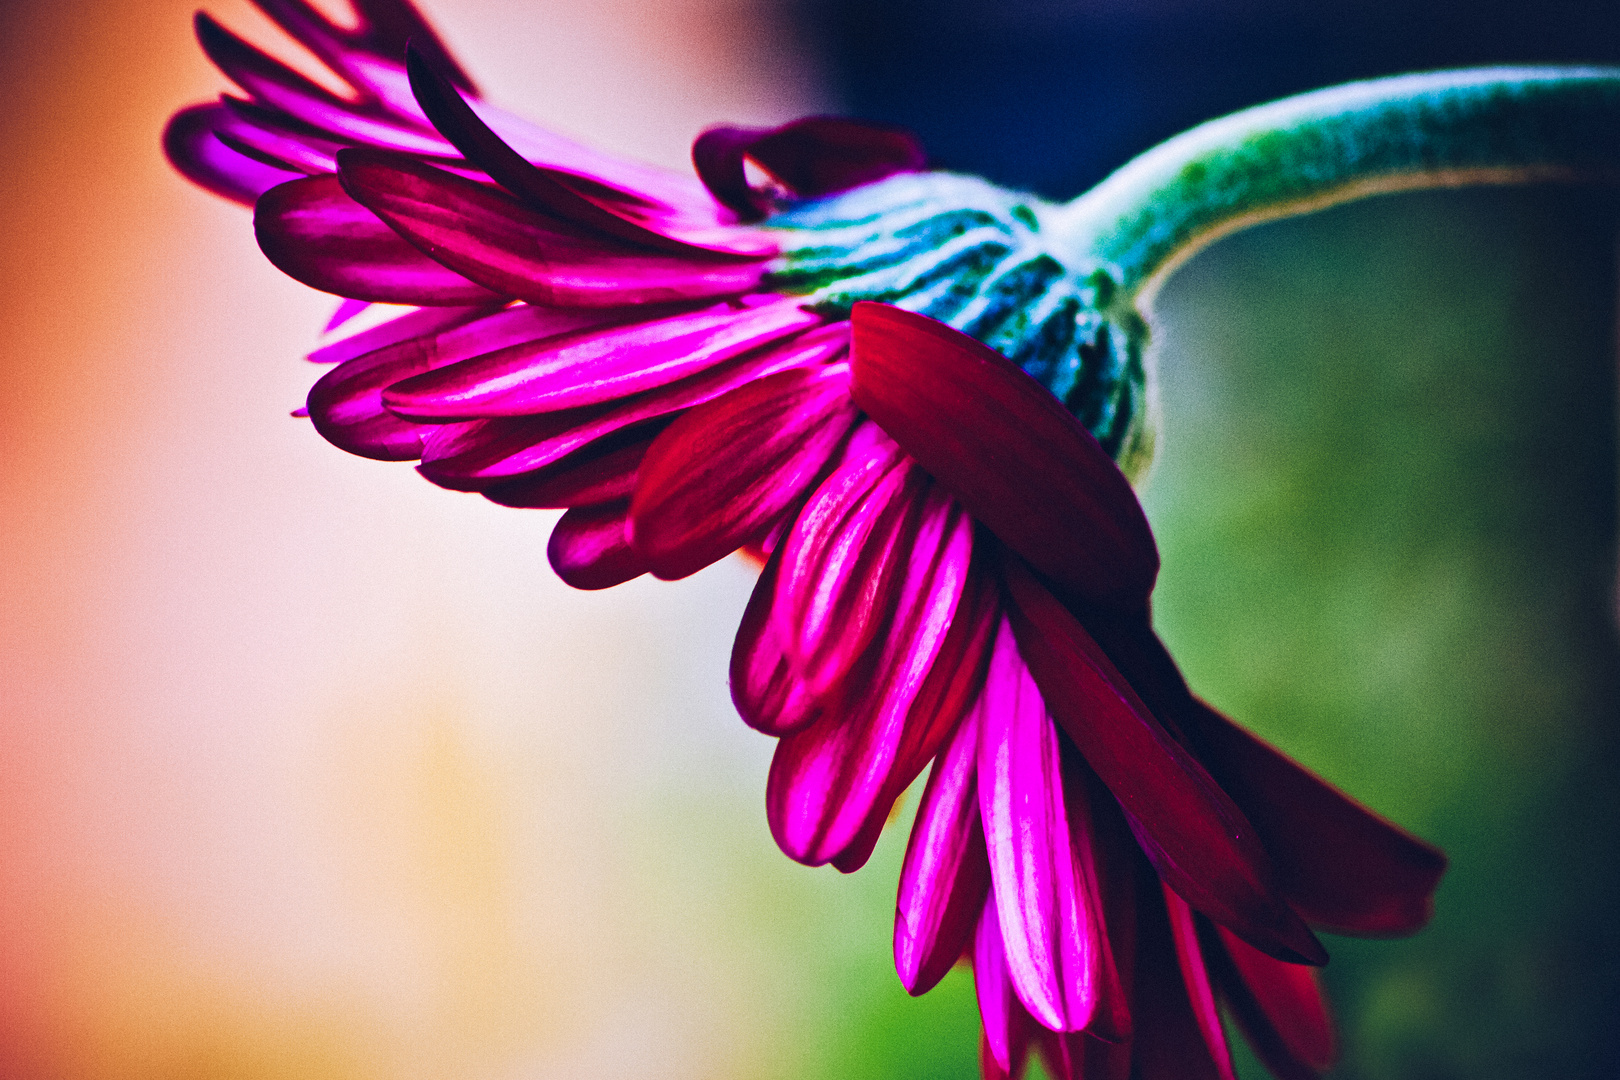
[(597, 365), (1196, 837), (424, 322), (1341, 866), (839, 565), (1007, 1027), (539, 188), (491, 238), (950, 690), (768, 695), (491, 451), (672, 196), (945, 877), (829, 779), (347, 403), (588, 549), (265, 135), (192, 148), (724, 471), (312, 231), (1040, 852), (273, 83), (1281, 1009), (386, 27), (1003, 444), (603, 472), (1195, 979), (818, 155), (346, 310)]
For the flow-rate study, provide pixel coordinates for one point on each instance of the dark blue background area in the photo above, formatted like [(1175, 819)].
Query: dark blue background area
[(1051, 96)]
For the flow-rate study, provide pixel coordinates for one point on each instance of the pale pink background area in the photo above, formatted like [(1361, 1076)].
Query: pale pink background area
[(307, 768)]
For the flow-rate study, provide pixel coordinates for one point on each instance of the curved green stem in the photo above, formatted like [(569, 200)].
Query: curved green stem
[(1491, 125)]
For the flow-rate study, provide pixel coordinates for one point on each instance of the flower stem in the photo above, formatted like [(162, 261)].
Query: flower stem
[(1445, 129)]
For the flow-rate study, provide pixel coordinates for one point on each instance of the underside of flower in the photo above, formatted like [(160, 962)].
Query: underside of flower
[(920, 397)]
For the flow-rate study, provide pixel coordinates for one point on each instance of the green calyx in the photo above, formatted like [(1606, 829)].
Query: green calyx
[(977, 257)]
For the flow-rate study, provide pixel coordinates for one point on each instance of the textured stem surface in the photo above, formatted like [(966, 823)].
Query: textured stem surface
[(1490, 125)]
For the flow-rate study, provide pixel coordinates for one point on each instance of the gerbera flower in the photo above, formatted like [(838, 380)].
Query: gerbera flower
[(920, 397)]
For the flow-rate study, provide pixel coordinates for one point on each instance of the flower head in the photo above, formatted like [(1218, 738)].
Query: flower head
[(898, 387)]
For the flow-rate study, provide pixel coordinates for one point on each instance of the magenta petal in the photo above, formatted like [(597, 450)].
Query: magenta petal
[(588, 549), (492, 451), (347, 403), (828, 780), (1196, 837), (423, 322), (597, 365), (539, 188), (768, 695), (1341, 866), (1280, 1007), (312, 231), (386, 27), (839, 565), (1195, 980), (1003, 444), (491, 238), (1046, 892), (193, 149), (272, 83), (728, 468), (945, 877), (1006, 1024), (605, 471), (957, 677)]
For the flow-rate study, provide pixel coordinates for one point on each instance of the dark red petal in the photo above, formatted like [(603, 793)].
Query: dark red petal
[(1041, 857), (588, 549), (490, 237), (828, 780), (1341, 866), (1280, 1007), (1171, 1045), (193, 149), (818, 155), (728, 468), (1196, 837), (1195, 980), (1004, 445), (945, 877), (312, 231), (768, 695)]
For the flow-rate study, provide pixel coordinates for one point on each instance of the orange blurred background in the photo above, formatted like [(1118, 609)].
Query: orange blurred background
[(311, 769)]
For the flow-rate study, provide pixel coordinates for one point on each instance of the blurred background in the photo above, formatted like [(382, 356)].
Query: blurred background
[(309, 769)]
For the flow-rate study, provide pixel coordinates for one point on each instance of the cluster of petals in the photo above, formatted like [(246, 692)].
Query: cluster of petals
[(956, 572)]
